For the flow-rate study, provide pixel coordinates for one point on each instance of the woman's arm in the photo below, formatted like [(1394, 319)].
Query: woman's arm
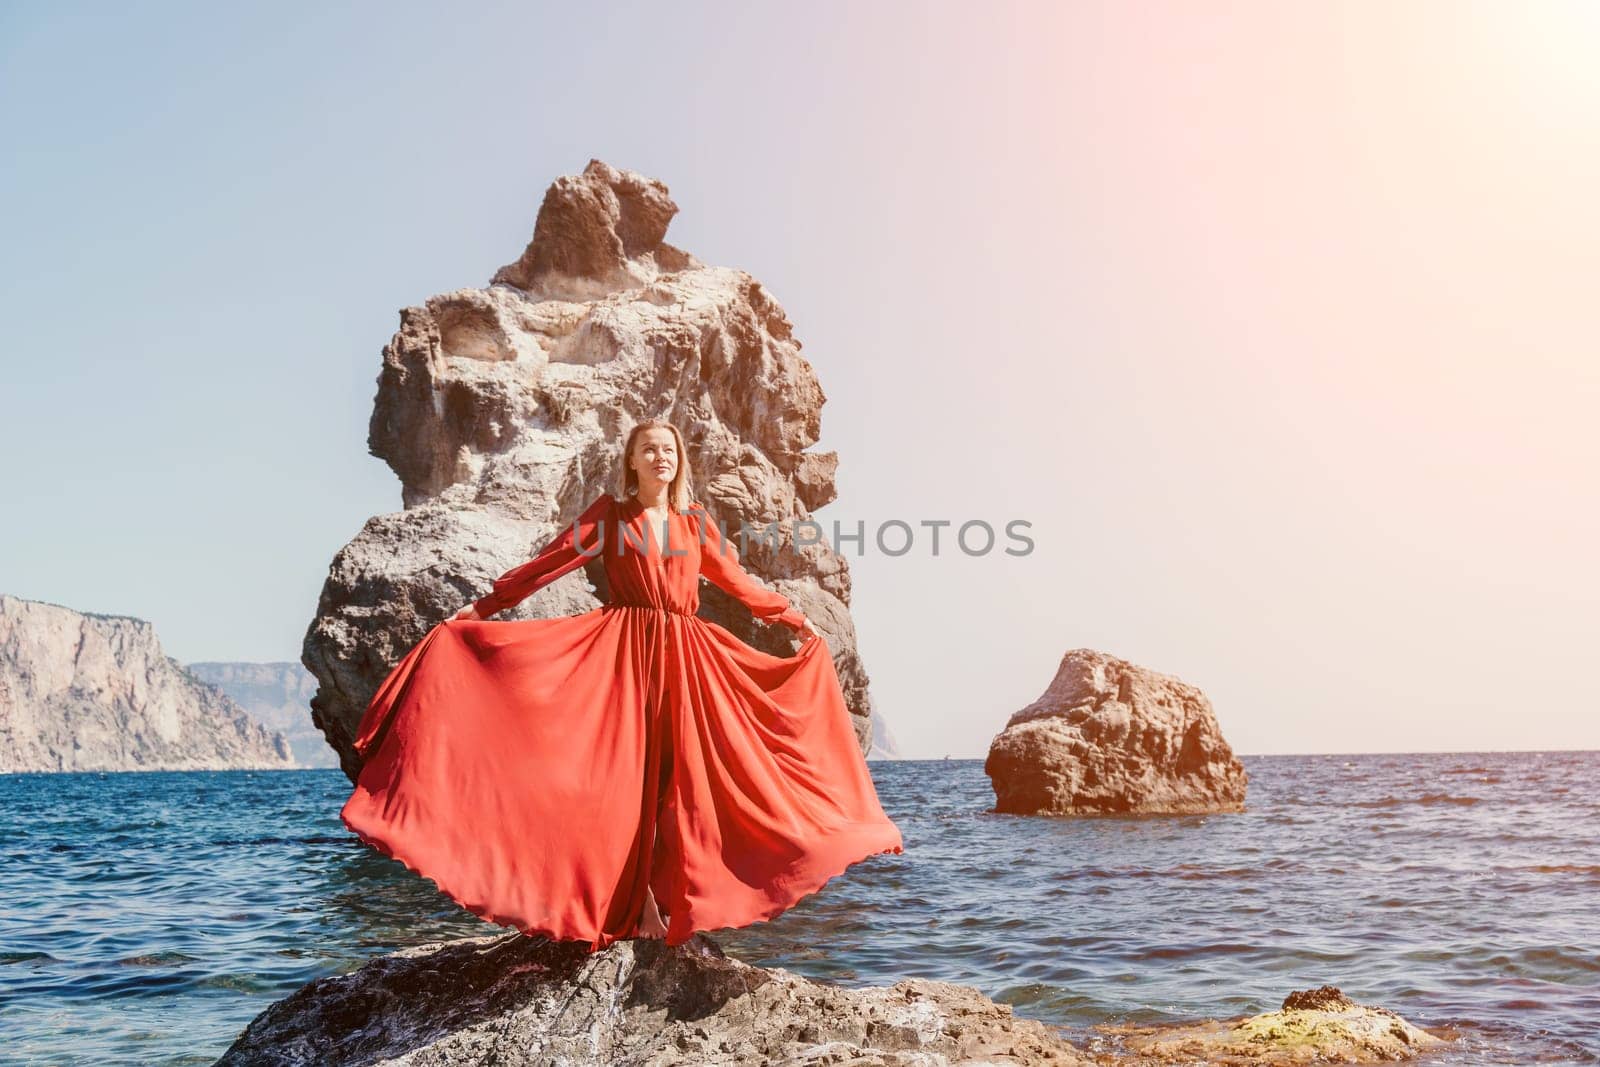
[(582, 540), (719, 561)]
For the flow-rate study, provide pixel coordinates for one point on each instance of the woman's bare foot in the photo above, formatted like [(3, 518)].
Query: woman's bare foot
[(651, 923)]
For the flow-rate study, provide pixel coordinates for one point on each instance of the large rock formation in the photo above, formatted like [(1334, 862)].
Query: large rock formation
[(87, 692), (512, 1000), (1314, 1026), (278, 696), (1110, 737), (503, 410)]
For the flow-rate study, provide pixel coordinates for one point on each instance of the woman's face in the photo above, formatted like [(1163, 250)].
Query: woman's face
[(655, 458)]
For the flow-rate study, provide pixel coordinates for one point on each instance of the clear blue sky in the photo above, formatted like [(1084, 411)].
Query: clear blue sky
[(1275, 321)]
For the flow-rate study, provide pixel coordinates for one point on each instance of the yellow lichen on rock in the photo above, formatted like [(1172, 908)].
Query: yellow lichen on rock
[(1314, 1026)]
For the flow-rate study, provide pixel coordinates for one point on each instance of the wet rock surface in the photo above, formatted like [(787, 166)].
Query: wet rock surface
[(519, 1000)]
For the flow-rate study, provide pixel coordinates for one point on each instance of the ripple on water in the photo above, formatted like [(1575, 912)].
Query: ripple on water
[(1457, 890)]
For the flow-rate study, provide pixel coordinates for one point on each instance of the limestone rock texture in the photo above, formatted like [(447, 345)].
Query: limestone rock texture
[(503, 409), (1110, 737), (1313, 1026), (511, 999), (86, 692)]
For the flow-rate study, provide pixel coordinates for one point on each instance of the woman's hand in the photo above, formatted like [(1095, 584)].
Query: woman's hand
[(807, 631), (468, 612)]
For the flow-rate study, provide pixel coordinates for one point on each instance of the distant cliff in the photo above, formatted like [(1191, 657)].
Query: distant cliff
[(884, 745), (87, 692), (277, 695)]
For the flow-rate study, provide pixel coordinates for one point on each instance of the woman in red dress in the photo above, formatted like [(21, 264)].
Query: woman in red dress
[(631, 771)]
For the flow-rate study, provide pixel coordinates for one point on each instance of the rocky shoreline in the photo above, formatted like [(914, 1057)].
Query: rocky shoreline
[(512, 999)]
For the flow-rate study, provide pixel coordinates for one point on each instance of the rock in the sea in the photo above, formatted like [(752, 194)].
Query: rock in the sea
[(87, 692), (502, 410), (512, 999), (1111, 737), (1314, 1026)]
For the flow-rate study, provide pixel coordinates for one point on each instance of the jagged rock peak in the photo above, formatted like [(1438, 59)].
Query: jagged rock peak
[(597, 232)]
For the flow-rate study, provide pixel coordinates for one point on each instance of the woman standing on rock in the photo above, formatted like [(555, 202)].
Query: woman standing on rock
[(632, 771)]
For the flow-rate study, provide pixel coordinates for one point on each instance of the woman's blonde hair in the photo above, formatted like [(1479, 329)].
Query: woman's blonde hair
[(679, 492)]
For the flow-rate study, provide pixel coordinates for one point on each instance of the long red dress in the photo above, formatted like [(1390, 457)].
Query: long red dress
[(521, 765)]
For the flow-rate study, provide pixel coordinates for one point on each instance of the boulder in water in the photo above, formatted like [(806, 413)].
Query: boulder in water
[(1109, 737)]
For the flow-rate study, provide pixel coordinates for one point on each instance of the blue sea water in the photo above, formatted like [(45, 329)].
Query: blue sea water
[(146, 918)]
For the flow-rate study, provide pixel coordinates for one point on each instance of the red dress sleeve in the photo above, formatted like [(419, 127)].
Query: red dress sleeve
[(582, 540), (719, 561)]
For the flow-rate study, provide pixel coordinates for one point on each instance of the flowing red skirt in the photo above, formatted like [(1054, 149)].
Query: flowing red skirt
[(545, 772)]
